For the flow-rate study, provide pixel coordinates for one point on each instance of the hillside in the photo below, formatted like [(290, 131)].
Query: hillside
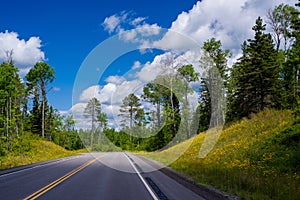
[(31, 151), (257, 158)]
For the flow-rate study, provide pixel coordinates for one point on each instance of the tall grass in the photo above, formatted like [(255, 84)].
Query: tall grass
[(256, 158), (31, 151)]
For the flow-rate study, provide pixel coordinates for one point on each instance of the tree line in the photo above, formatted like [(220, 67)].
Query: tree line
[(266, 76), (25, 110)]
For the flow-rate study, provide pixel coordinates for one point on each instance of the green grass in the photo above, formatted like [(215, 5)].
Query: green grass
[(31, 150), (256, 158)]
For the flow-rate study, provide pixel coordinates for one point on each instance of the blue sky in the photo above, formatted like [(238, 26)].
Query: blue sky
[(63, 33), (69, 30)]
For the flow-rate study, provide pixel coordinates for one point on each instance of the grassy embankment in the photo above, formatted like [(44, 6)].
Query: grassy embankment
[(31, 150), (257, 158)]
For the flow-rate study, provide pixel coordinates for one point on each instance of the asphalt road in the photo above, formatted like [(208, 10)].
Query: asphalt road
[(102, 176)]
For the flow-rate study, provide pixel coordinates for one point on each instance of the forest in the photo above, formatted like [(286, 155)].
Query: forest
[(266, 76)]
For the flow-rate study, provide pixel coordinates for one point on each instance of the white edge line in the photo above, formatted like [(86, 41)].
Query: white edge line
[(142, 179)]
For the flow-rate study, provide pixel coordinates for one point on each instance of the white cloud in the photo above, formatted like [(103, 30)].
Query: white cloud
[(162, 64), (89, 93), (147, 30), (229, 21), (138, 21), (110, 96), (115, 79), (149, 72), (130, 28), (111, 23), (126, 88), (127, 35), (105, 94), (25, 53), (78, 108), (136, 65), (56, 89)]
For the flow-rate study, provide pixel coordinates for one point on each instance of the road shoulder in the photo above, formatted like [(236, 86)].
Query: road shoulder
[(207, 192)]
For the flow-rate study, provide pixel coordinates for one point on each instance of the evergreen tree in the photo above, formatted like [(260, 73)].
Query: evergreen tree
[(93, 111), (256, 75), (11, 94), (130, 109), (204, 108), (38, 78), (153, 93)]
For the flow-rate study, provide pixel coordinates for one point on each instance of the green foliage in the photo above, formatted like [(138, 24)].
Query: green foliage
[(38, 78), (11, 100), (213, 84), (139, 136), (255, 77), (256, 158), (281, 20), (93, 110), (188, 74), (154, 94), (263, 77), (131, 111), (204, 108), (28, 149)]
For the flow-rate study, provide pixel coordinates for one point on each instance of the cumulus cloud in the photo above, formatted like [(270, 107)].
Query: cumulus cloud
[(110, 97), (106, 92), (89, 93), (25, 53), (115, 79), (126, 88), (229, 21), (150, 71)]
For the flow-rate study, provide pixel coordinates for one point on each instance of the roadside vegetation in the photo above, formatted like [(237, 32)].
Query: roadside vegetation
[(31, 149), (256, 158)]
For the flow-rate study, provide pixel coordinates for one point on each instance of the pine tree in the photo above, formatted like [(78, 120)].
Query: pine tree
[(204, 109), (130, 109), (153, 93), (93, 111), (11, 95), (38, 78), (255, 75)]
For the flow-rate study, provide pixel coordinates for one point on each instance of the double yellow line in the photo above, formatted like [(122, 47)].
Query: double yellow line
[(58, 181)]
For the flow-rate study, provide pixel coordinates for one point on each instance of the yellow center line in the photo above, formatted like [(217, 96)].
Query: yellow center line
[(59, 180)]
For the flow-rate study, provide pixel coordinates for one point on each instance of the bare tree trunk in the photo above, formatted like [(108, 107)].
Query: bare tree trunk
[(158, 115), (43, 108), (172, 103), (7, 124), (93, 127), (131, 118), (187, 113)]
